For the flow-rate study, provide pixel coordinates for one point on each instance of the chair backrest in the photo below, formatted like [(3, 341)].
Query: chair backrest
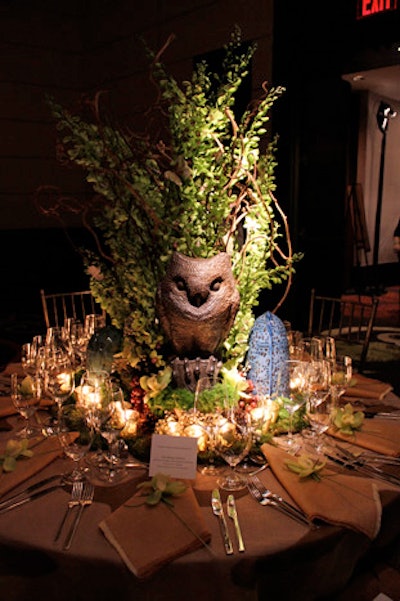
[(57, 307), (349, 321)]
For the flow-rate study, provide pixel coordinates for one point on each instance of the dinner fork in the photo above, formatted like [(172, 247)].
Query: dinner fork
[(86, 499), (267, 498), (76, 494), (273, 495)]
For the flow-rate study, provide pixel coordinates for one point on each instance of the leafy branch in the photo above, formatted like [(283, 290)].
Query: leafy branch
[(202, 187)]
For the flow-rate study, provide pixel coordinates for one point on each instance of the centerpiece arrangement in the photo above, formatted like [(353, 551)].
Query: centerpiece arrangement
[(187, 232)]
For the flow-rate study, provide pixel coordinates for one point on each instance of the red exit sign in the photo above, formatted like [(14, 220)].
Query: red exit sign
[(366, 8)]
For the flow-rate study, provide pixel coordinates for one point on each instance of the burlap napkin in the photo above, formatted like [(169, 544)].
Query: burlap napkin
[(6, 407), (339, 499), (148, 538), (376, 434), (366, 388), (12, 368), (45, 451)]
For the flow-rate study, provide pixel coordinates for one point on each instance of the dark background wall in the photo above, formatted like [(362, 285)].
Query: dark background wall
[(65, 49)]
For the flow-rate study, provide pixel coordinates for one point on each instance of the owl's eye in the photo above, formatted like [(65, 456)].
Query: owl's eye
[(180, 283), (216, 284)]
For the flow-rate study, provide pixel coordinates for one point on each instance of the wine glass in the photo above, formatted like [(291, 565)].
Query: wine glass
[(207, 423), (233, 440), (112, 469), (74, 331), (56, 340), (59, 377), (25, 396), (292, 391), (341, 374), (93, 396), (29, 354), (319, 417), (75, 443), (330, 348), (310, 349), (319, 399)]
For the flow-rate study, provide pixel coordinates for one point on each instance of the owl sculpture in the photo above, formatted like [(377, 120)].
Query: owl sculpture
[(196, 303)]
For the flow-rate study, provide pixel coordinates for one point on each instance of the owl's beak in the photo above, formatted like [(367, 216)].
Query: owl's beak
[(198, 299)]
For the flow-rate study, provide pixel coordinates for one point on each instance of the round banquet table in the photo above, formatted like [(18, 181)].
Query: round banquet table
[(283, 559)]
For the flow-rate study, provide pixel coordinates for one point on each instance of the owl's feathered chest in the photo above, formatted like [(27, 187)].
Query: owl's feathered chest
[(197, 302)]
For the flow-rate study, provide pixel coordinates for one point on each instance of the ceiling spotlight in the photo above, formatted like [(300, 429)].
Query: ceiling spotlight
[(385, 112)]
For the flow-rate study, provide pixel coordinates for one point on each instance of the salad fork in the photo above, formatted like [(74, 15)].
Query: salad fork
[(86, 499), (76, 495), (267, 498)]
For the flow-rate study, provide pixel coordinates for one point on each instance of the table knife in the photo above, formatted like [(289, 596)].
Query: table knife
[(31, 497), (27, 491), (232, 512), (218, 510)]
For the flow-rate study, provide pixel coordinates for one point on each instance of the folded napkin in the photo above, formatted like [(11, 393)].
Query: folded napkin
[(44, 452), (5, 425), (6, 407), (148, 538), (339, 499), (377, 434), (367, 388), (12, 368)]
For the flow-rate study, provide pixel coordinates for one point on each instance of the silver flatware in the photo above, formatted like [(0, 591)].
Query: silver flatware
[(268, 500), (385, 415), (30, 489), (377, 458), (259, 469), (346, 459), (31, 497), (76, 495), (85, 501), (274, 496), (232, 513), (218, 510)]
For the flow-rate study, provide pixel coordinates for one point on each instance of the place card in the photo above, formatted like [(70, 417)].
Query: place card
[(175, 456)]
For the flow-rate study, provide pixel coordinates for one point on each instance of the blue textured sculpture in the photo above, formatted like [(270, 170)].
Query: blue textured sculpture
[(268, 351)]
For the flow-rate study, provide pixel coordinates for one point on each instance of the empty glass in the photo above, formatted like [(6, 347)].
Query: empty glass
[(233, 440), (75, 443), (292, 391), (59, 377), (25, 396), (341, 374)]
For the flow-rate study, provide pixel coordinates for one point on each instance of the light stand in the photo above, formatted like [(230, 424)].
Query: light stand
[(385, 112)]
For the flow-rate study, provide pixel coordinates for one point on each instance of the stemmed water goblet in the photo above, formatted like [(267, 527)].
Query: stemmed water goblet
[(57, 341), (93, 396), (206, 423), (112, 469), (75, 444), (29, 355), (59, 377), (310, 349), (25, 396), (79, 335), (341, 374), (292, 390), (319, 400), (319, 417), (233, 440)]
